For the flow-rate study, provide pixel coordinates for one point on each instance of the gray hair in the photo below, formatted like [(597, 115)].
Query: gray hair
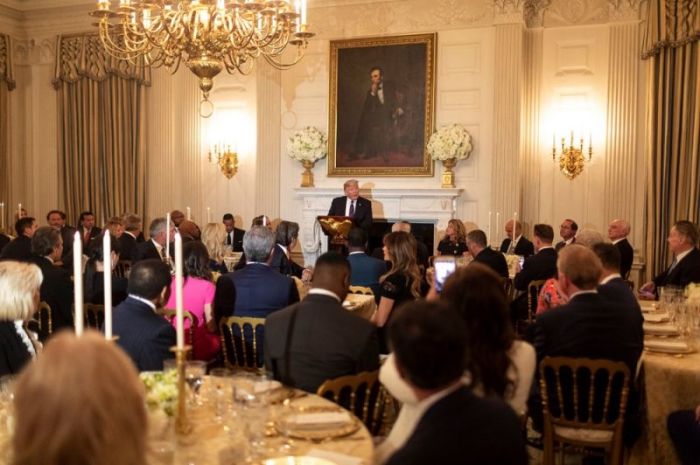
[(258, 242), (589, 237), (132, 223), (157, 226), (477, 236), (351, 182), (401, 225), (19, 283)]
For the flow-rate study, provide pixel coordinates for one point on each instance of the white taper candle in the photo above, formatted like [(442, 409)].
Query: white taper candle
[(78, 282), (107, 272), (167, 235), (178, 292)]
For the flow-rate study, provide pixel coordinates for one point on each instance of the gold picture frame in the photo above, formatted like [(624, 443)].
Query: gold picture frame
[(382, 100)]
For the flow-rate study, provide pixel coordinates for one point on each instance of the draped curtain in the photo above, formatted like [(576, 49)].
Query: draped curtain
[(7, 84), (673, 121), (101, 130)]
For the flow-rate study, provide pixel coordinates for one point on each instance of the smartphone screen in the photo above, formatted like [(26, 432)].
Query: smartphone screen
[(521, 260), (444, 267)]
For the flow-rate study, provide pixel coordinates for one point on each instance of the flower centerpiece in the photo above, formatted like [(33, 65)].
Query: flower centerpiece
[(161, 390), (449, 144), (307, 146)]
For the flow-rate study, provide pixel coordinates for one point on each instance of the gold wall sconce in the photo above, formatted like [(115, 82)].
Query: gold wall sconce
[(226, 158), (572, 158)]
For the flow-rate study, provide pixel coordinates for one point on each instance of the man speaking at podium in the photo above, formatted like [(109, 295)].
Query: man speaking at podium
[(352, 205)]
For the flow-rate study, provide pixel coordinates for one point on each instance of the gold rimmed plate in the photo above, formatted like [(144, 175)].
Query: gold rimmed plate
[(329, 426)]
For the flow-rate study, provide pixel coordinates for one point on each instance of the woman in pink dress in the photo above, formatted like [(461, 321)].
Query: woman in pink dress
[(198, 295)]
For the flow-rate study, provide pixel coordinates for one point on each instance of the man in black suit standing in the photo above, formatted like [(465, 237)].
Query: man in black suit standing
[(567, 231), (155, 246), (143, 334), (20, 248), (618, 230), (352, 205), (318, 339), (57, 220), (456, 426), (685, 268), (482, 253), (542, 265), (365, 270), (87, 228), (234, 235), (129, 240), (522, 245)]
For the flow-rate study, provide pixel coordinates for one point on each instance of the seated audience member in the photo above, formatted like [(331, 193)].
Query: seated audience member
[(57, 286), (198, 295), (453, 425), (95, 273), (588, 326), (684, 429), (177, 217), (189, 231), (567, 231), (234, 235), (83, 402), (213, 238), (256, 290), (618, 230), (482, 253), (87, 228), (4, 240), (318, 337), (20, 248), (542, 265), (401, 284), (19, 291), (365, 270), (454, 242), (260, 220), (115, 226), (612, 287), (143, 334), (57, 220), (522, 247), (286, 238), (422, 253), (129, 240), (685, 268), (155, 246)]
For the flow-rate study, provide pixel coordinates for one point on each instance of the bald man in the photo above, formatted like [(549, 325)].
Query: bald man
[(618, 230)]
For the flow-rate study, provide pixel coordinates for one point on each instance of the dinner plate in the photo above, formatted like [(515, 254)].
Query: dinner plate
[(668, 346), (656, 317), (298, 460), (660, 329), (343, 424), (348, 304)]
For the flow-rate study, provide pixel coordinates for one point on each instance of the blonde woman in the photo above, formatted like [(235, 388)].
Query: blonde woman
[(401, 284), (214, 238), (81, 403), (19, 299), (455, 240)]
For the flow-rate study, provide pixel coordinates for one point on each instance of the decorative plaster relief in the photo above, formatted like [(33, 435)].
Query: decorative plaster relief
[(460, 58), (624, 10), (460, 100), (576, 12), (574, 57), (34, 51)]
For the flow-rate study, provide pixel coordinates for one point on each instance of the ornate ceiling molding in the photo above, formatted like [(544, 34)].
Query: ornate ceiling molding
[(624, 10)]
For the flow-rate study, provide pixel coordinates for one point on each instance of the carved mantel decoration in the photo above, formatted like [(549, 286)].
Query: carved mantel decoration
[(6, 74)]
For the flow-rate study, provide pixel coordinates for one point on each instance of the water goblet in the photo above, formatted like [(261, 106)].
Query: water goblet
[(221, 391), (194, 376)]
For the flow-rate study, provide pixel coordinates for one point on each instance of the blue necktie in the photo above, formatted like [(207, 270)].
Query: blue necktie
[(352, 208)]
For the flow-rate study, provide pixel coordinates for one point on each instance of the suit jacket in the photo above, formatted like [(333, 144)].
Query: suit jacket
[(127, 245), (685, 272), (494, 260), (68, 234), (4, 240), (366, 270), (94, 232), (19, 248), (143, 334), (626, 257), (144, 251), (363, 211), (542, 265), (617, 292), (524, 247), (237, 239), (561, 244), (284, 265), (463, 429), (14, 355), (57, 291), (327, 341), (256, 291)]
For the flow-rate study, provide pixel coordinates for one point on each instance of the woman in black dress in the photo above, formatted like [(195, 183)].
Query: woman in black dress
[(401, 284), (19, 299), (94, 274), (455, 240)]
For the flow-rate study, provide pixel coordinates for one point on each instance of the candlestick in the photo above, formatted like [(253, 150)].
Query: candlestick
[(208, 215), (512, 240), (178, 292), (303, 12), (78, 282), (498, 222), (2, 216), (19, 210), (488, 242), (107, 272), (167, 235), (189, 214)]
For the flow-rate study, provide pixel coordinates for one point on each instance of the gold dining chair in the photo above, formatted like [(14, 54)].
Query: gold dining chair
[(241, 342), (123, 268), (583, 404), (170, 314), (94, 316), (44, 318), (363, 290)]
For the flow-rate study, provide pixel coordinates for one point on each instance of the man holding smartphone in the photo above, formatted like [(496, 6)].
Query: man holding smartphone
[(476, 244)]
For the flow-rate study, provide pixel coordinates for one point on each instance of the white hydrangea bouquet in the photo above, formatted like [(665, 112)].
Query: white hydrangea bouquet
[(450, 142), (161, 390), (307, 146)]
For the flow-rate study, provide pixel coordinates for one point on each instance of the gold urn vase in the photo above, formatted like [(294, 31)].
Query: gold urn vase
[(448, 176), (307, 177)]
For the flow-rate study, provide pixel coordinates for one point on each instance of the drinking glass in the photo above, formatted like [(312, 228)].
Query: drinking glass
[(221, 392), (194, 376)]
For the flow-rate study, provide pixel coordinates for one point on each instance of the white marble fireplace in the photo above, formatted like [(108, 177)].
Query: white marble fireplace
[(436, 206)]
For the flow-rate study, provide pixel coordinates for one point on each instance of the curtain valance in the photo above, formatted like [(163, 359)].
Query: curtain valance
[(670, 24)]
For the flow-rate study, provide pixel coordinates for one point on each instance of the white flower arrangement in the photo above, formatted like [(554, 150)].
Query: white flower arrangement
[(309, 144), (451, 141), (161, 390)]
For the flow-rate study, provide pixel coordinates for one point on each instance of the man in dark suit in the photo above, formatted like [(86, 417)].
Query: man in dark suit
[(286, 237), (20, 248), (154, 248), (542, 265), (476, 244), (685, 268), (522, 245), (4, 240), (128, 241), (57, 286), (589, 325), (352, 205), (143, 334), (567, 231), (256, 290), (87, 228), (365, 270), (317, 339), (618, 230), (612, 287), (234, 235), (457, 427), (57, 220)]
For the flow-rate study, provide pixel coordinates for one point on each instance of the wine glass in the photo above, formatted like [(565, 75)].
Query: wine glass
[(194, 376), (221, 392)]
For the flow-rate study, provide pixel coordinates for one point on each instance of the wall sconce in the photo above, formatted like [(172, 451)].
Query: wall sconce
[(571, 158), (226, 158)]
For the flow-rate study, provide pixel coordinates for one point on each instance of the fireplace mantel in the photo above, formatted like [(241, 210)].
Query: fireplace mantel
[(436, 206)]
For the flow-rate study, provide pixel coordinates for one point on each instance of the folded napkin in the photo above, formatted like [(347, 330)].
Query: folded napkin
[(655, 317), (660, 329), (321, 419), (335, 457), (667, 345)]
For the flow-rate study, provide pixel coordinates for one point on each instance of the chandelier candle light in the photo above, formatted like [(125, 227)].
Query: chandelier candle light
[(208, 35), (307, 146), (448, 145)]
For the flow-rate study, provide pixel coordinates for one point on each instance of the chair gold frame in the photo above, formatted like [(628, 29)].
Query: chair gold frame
[(232, 340), (123, 268), (170, 314), (94, 316), (362, 290), (586, 427), (44, 312), (535, 286)]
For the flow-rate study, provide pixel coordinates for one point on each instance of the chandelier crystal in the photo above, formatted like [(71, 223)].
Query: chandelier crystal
[(208, 35)]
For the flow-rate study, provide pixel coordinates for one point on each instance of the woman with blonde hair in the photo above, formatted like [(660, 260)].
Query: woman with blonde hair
[(19, 299), (214, 238), (81, 403), (455, 240), (401, 284)]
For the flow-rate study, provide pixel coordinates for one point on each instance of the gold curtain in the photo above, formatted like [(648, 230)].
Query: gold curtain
[(673, 122), (101, 130), (7, 84)]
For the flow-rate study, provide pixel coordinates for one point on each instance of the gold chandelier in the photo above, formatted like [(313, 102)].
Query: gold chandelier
[(571, 158), (226, 158), (208, 35)]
